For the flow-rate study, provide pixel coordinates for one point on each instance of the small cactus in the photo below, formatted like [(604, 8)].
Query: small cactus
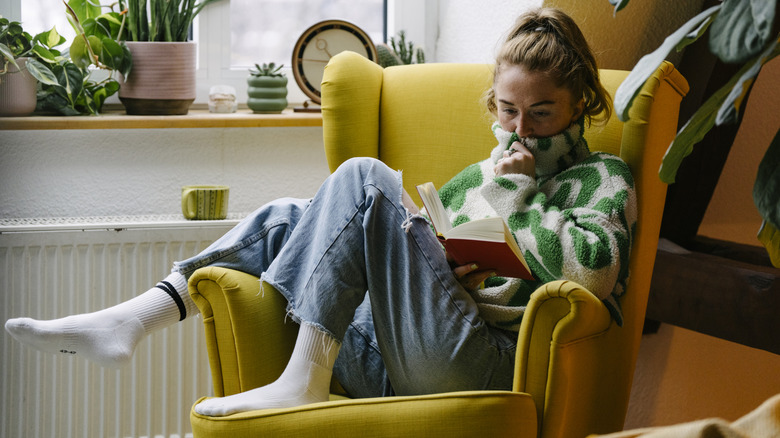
[(406, 51), (401, 52), (386, 57), (266, 70)]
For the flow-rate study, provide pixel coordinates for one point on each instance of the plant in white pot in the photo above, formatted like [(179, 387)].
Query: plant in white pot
[(19, 70), (162, 80), (267, 89)]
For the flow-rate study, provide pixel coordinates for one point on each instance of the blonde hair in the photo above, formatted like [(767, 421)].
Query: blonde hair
[(548, 40)]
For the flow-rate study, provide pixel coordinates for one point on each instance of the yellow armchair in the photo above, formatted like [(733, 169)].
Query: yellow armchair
[(574, 365)]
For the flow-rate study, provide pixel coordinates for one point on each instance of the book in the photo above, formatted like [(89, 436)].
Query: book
[(486, 242)]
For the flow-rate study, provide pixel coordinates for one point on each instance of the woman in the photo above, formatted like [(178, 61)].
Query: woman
[(378, 302)]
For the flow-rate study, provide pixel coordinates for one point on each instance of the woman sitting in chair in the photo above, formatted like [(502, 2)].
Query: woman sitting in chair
[(379, 304)]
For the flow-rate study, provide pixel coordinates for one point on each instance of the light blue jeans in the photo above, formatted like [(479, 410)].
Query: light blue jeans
[(353, 262)]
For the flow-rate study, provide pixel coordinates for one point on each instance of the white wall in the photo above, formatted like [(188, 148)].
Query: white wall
[(54, 173), (470, 31)]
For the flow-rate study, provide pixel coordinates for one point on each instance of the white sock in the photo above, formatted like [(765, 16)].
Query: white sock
[(306, 379), (108, 337)]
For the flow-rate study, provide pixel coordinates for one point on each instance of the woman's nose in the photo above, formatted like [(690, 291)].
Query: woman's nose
[(523, 127)]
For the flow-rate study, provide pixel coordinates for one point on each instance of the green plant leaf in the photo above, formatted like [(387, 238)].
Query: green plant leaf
[(646, 66), (8, 55), (741, 29), (91, 27), (50, 38), (769, 236), (729, 111), (693, 36), (79, 52), (127, 60), (695, 129), (98, 98), (618, 4), (40, 72), (112, 54), (71, 79), (85, 9), (111, 86), (51, 101), (45, 54), (766, 190), (109, 24)]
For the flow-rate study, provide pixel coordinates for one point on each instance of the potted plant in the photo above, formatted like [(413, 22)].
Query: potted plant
[(267, 89), (81, 78), (18, 70), (162, 80)]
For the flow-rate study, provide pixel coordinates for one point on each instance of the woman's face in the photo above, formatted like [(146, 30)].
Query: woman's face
[(531, 104)]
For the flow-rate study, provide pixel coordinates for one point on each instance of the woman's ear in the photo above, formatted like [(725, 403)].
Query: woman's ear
[(578, 110)]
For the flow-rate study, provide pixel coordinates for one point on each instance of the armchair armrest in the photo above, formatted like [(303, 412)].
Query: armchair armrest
[(565, 348), (248, 335)]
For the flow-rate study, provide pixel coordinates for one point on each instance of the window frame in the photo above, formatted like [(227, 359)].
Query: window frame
[(417, 18)]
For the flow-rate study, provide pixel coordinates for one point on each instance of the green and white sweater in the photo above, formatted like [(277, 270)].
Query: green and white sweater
[(574, 221)]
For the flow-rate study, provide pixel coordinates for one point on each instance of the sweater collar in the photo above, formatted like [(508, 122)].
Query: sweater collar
[(552, 154)]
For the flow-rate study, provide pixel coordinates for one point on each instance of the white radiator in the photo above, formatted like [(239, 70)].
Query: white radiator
[(55, 267)]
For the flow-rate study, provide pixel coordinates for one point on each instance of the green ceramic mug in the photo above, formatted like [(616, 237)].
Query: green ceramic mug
[(204, 202)]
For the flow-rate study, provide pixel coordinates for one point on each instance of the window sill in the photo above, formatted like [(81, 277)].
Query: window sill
[(196, 118)]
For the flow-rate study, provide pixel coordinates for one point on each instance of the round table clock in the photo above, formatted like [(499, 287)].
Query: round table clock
[(321, 42)]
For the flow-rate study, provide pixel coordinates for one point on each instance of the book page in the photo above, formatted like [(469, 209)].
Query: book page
[(434, 207)]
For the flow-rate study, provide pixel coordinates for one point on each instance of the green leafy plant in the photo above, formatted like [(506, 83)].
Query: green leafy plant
[(399, 52), (15, 43), (740, 33), (96, 46), (267, 70), (166, 20)]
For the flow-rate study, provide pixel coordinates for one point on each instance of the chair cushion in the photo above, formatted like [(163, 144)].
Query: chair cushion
[(492, 413)]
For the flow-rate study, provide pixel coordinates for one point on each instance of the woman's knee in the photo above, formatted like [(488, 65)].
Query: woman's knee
[(366, 170), (360, 165)]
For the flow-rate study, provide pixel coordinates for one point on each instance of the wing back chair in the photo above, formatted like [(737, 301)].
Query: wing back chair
[(574, 365)]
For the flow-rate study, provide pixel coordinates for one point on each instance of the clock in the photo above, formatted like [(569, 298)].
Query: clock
[(321, 42)]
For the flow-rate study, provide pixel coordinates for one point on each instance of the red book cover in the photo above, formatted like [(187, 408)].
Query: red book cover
[(486, 242)]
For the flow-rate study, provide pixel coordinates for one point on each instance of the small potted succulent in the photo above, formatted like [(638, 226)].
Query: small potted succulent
[(267, 89)]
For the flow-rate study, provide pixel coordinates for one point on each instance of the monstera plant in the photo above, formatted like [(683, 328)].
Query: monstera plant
[(740, 32)]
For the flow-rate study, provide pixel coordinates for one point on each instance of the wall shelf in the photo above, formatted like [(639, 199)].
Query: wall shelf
[(197, 118)]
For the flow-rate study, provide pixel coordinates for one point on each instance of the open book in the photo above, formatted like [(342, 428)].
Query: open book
[(486, 242)]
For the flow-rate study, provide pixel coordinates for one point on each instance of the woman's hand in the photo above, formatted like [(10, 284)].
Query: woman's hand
[(469, 276), (517, 159)]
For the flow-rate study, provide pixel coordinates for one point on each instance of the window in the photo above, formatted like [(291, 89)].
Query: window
[(266, 30), (233, 35)]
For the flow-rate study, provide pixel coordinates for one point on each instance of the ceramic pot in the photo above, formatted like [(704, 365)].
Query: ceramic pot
[(162, 81), (267, 94), (17, 90)]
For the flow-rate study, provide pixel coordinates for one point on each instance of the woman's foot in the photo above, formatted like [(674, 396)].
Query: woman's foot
[(306, 379), (109, 337), (106, 338), (286, 392)]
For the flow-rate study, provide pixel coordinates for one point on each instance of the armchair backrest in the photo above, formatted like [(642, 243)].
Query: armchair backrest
[(430, 121)]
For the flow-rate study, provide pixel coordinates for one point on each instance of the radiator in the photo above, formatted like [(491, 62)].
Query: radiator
[(55, 267)]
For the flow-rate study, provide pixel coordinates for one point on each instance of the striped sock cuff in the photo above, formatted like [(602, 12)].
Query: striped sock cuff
[(170, 290)]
